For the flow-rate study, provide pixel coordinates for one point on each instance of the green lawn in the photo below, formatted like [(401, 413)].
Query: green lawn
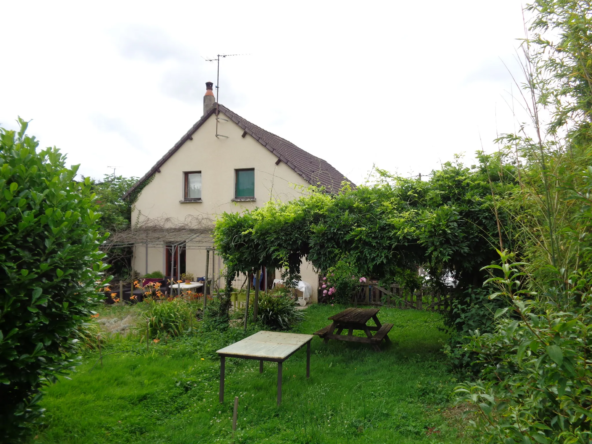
[(170, 394)]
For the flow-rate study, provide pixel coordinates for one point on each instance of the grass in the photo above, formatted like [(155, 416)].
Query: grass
[(170, 393)]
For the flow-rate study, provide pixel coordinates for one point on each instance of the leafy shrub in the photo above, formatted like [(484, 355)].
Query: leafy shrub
[(154, 275), (49, 265), (279, 312), (536, 378), (340, 283), (472, 313), (216, 316), (168, 318)]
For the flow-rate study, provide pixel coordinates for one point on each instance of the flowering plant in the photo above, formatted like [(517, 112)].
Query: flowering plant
[(340, 283), (152, 291)]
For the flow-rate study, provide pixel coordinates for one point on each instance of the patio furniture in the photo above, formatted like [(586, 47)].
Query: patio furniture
[(177, 289), (184, 286), (356, 319), (266, 346)]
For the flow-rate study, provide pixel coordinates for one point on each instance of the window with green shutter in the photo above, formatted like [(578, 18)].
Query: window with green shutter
[(245, 184)]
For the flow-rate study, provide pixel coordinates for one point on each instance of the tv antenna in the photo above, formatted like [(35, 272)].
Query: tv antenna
[(217, 60), (114, 168)]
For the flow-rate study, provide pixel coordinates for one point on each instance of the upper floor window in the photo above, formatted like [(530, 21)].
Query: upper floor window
[(245, 184), (192, 186)]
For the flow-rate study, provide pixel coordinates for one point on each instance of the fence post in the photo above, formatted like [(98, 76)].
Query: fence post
[(367, 293), (420, 299)]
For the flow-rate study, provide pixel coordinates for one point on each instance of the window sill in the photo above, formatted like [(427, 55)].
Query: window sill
[(244, 199), (190, 201)]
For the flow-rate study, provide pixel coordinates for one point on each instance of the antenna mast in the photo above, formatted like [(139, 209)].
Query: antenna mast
[(217, 60)]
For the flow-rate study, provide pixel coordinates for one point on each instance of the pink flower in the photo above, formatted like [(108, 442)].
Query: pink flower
[(331, 305), (362, 279), (324, 286), (325, 278), (325, 293)]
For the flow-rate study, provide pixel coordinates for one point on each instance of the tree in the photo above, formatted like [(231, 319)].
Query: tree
[(116, 215), (49, 269)]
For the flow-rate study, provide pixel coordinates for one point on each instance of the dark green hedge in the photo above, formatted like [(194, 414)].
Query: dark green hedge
[(49, 265)]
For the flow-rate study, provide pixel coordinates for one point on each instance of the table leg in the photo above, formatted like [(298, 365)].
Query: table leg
[(279, 387), (308, 360), (261, 366), (378, 324), (222, 365), (330, 332), (350, 332), (339, 330)]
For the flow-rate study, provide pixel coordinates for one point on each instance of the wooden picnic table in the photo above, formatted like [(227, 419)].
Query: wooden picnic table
[(353, 319), (266, 346)]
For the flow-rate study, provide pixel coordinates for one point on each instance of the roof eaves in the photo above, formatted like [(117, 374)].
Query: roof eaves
[(170, 152)]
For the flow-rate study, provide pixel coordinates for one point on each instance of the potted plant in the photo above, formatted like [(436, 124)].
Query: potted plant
[(187, 277)]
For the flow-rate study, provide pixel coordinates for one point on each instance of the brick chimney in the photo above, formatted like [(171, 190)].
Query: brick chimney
[(209, 98)]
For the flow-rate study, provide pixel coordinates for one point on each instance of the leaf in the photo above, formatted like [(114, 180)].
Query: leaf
[(500, 312), (38, 348), (555, 353), (486, 408), (13, 187), (36, 293), (59, 272), (522, 349), (534, 346), (539, 437)]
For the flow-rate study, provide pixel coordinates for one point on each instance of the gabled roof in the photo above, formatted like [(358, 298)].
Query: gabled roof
[(312, 169)]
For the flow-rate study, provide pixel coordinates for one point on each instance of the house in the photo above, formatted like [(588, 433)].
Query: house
[(224, 163)]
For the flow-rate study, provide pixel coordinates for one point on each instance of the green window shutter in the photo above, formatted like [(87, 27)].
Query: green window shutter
[(245, 183)]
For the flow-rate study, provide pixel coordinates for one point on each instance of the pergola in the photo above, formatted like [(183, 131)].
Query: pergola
[(157, 237)]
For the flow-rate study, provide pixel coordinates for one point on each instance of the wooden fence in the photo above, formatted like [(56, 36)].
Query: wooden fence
[(424, 299)]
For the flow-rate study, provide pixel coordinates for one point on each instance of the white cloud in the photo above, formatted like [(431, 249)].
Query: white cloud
[(401, 85)]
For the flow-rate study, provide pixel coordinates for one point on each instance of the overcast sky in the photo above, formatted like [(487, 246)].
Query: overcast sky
[(403, 85)]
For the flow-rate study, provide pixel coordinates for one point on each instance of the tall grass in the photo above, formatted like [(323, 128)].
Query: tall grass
[(170, 394)]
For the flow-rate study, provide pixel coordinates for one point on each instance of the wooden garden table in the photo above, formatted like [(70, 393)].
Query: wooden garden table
[(356, 319), (266, 346)]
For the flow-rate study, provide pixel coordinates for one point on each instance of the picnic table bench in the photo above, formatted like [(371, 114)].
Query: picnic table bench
[(353, 319)]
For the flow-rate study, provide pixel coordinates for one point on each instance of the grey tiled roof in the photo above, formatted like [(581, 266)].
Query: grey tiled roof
[(312, 169)]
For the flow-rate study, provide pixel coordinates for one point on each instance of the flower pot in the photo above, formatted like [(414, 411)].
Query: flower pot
[(187, 281)]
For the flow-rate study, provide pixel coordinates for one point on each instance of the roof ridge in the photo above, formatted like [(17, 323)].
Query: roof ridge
[(289, 153), (269, 132)]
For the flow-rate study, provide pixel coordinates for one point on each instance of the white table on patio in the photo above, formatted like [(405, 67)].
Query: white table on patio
[(190, 286), (266, 346), (184, 286)]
